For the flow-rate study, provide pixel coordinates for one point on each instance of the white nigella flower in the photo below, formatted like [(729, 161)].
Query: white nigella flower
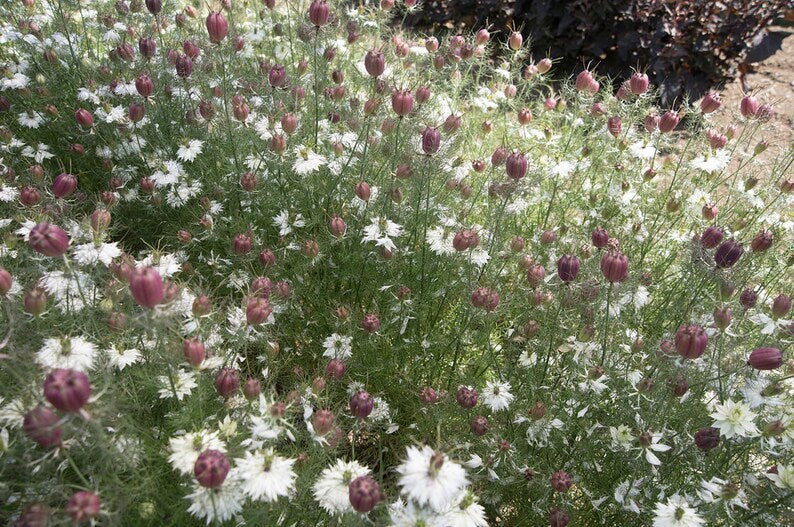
[(285, 225), (121, 358), (649, 442), (170, 173), (440, 241), (769, 324), (712, 162), (183, 384), (381, 231), (165, 264), (217, 504), (338, 346), (190, 150), (718, 490), (640, 150), (784, 478), (734, 419), (40, 153), (626, 494), (410, 515), (307, 161), (622, 437), (676, 513), (332, 488), (497, 396), (430, 478), (465, 512), (8, 194), (185, 449), (74, 353), (30, 119), (70, 290), (91, 253), (116, 114), (266, 475)]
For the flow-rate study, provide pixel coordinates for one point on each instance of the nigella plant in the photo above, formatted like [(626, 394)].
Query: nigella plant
[(277, 262)]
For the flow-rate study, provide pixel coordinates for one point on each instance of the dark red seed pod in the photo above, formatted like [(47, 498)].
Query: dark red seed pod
[(319, 13), (516, 166), (561, 481), (728, 253), (364, 494), (711, 237), (40, 424), (67, 390), (691, 341), (599, 237), (370, 323), (374, 63), (568, 268), (765, 359), (211, 468), (781, 305), (194, 351), (361, 404), (227, 382), (558, 518), (252, 388), (748, 298), (83, 506), (335, 369), (762, 241), (431, 140), (322, 421), (615, 266), (467, 397), (707, 438)]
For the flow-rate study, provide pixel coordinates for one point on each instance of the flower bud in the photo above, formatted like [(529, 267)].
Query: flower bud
[(561, 481), (370, 323), (515, 40)]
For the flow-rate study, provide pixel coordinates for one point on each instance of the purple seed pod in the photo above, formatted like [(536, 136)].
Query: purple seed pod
[(691, 341), (48, 239), (615, 266), (561, 481), (568, 268), (728, 253), (40, 424), (361, 404), (67, 390), (466, 397), (558, 518), (227, 382), (599, 237), (480, 425), (146, 287), (431, 140), (217, 27), (63, 185), (762, 241), (781, 305), (257, 310), (374, 63), (516, 166), (83, 506), (765, 359), (748, 298), (711, 237), (211, 468), (364, 493), (707, 438)]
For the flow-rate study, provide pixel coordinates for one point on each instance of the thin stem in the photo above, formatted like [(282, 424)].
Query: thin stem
[(606, 323)]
